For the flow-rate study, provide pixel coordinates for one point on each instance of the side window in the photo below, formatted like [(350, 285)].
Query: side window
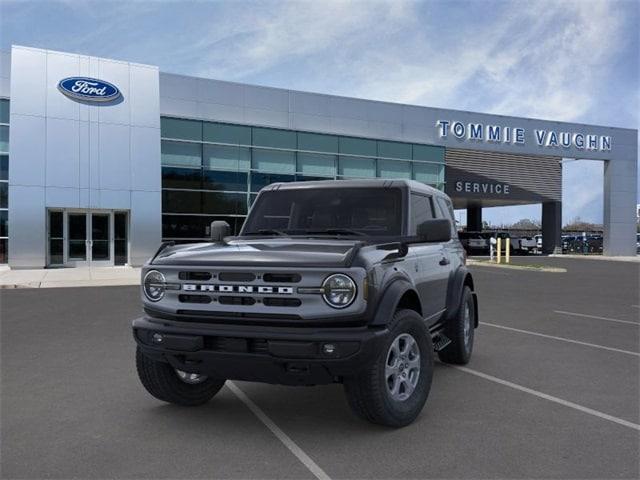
[(447, 212), (421, 210)]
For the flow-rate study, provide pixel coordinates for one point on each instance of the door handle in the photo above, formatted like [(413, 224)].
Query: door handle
[(444, 261)]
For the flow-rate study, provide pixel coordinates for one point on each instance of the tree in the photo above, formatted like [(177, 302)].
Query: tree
[(526, 224), (579, 225)]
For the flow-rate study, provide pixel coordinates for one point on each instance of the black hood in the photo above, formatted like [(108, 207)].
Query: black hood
[(271, 252)]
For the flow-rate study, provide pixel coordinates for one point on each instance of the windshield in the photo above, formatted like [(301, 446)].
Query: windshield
[(335, 211)]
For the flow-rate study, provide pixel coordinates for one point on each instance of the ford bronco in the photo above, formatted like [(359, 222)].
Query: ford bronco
[(350, 281)]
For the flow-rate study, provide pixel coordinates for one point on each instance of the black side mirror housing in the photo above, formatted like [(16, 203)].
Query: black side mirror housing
[(435, 230), (219, 230)]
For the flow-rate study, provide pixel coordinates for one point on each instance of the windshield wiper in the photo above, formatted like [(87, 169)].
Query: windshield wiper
[(268, 231), (336, 231)]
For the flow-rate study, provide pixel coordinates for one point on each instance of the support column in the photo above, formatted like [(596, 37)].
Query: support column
[(620, 198), (474, 218), (551, 227)]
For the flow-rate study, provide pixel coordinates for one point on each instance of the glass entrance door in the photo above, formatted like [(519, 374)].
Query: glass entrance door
[(87, 238), (77, 239), (100, 241)]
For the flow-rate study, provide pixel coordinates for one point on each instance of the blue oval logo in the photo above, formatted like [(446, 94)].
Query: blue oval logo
[(89, 89)]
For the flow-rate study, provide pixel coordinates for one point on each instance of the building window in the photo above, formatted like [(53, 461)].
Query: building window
[(357, 167), (4, 180), (274, 161), (213, 171), (189, 178), (429, 173), (394, 150), (181, 129), (181, 153), (224, 133), (4, 138), (316, 164), (394, 169), (223, 157)]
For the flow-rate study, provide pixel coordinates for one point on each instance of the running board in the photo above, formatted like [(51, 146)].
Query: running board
[(440, 341)]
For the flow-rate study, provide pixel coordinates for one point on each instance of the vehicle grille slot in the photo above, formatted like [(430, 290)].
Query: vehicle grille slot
[(198, 315), (236, 277), (197, 276), (234, 300), (194, 298), (282, 302), (281, 277), (258, 345)]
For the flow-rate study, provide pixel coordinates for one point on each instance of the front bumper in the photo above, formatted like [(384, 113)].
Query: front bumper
[(289, 356)]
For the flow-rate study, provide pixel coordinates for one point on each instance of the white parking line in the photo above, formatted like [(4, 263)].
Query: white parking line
[(551, 398), (586, 344), (283, 437), (596, 317)]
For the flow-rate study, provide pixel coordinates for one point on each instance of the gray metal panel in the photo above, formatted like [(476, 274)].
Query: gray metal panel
[(28, 81), (145, 155), (146, 225), (144, 96), (534, 178), (27, 240), (27, 142), (620, 194), (5, 73), (115, 157), (63, 153)]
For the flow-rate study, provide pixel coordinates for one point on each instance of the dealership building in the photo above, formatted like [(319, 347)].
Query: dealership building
[(101, 160)]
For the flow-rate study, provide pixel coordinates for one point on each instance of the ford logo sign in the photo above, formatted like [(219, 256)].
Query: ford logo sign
[(89, 89)]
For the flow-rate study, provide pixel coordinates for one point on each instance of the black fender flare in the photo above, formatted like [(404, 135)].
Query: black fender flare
[(390, 298), (461, 278)]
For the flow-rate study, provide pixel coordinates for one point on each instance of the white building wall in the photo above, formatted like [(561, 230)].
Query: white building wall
[(71, 154)]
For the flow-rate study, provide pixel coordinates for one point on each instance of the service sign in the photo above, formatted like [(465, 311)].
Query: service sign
[(88, 89)]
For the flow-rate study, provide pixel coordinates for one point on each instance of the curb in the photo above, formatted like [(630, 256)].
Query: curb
[(517, 267)]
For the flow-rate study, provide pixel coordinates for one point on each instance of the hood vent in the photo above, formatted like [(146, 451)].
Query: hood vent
[(281, 277), (236, 277)]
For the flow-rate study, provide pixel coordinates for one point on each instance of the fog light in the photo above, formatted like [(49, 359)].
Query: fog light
[(328, 348), (156, 338)]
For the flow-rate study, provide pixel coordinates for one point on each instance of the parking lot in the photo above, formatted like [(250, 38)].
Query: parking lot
[(551, 392)]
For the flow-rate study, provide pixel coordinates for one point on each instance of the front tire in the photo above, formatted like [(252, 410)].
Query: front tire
[(460, 330), (393, 390), (173, 386)]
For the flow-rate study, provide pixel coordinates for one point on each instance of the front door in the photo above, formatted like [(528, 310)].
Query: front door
[(77, 240), (87, 238), (100, 244)]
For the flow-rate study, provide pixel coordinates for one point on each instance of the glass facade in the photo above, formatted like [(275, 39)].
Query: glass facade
[(4, 180), (212, 171)]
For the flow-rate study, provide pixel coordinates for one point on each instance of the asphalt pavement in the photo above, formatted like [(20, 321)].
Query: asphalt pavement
[(552, 391)]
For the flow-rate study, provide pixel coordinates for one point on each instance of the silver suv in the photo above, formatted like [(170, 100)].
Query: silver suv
[(351, 281)]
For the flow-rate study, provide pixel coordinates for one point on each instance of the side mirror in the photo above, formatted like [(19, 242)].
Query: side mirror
[(436, 230), (219, 230)]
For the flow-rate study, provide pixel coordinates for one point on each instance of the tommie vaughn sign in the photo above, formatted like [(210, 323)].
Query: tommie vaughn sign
[(478, 132), (88, 89)]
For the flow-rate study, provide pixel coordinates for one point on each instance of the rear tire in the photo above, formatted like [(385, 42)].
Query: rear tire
[(460, 330), (163, 382), (381, 394)]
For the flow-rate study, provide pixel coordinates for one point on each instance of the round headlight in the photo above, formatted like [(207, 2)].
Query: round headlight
[(154, 285), (339, 290)]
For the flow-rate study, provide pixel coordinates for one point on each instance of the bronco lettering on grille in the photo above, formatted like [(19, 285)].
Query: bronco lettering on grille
[(191, 287)]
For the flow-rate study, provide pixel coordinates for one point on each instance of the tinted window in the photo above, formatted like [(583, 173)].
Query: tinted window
[(181, 178), (371, 211), (421, 211)]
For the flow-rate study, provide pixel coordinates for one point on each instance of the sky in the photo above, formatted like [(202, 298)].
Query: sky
[(558, 60)]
